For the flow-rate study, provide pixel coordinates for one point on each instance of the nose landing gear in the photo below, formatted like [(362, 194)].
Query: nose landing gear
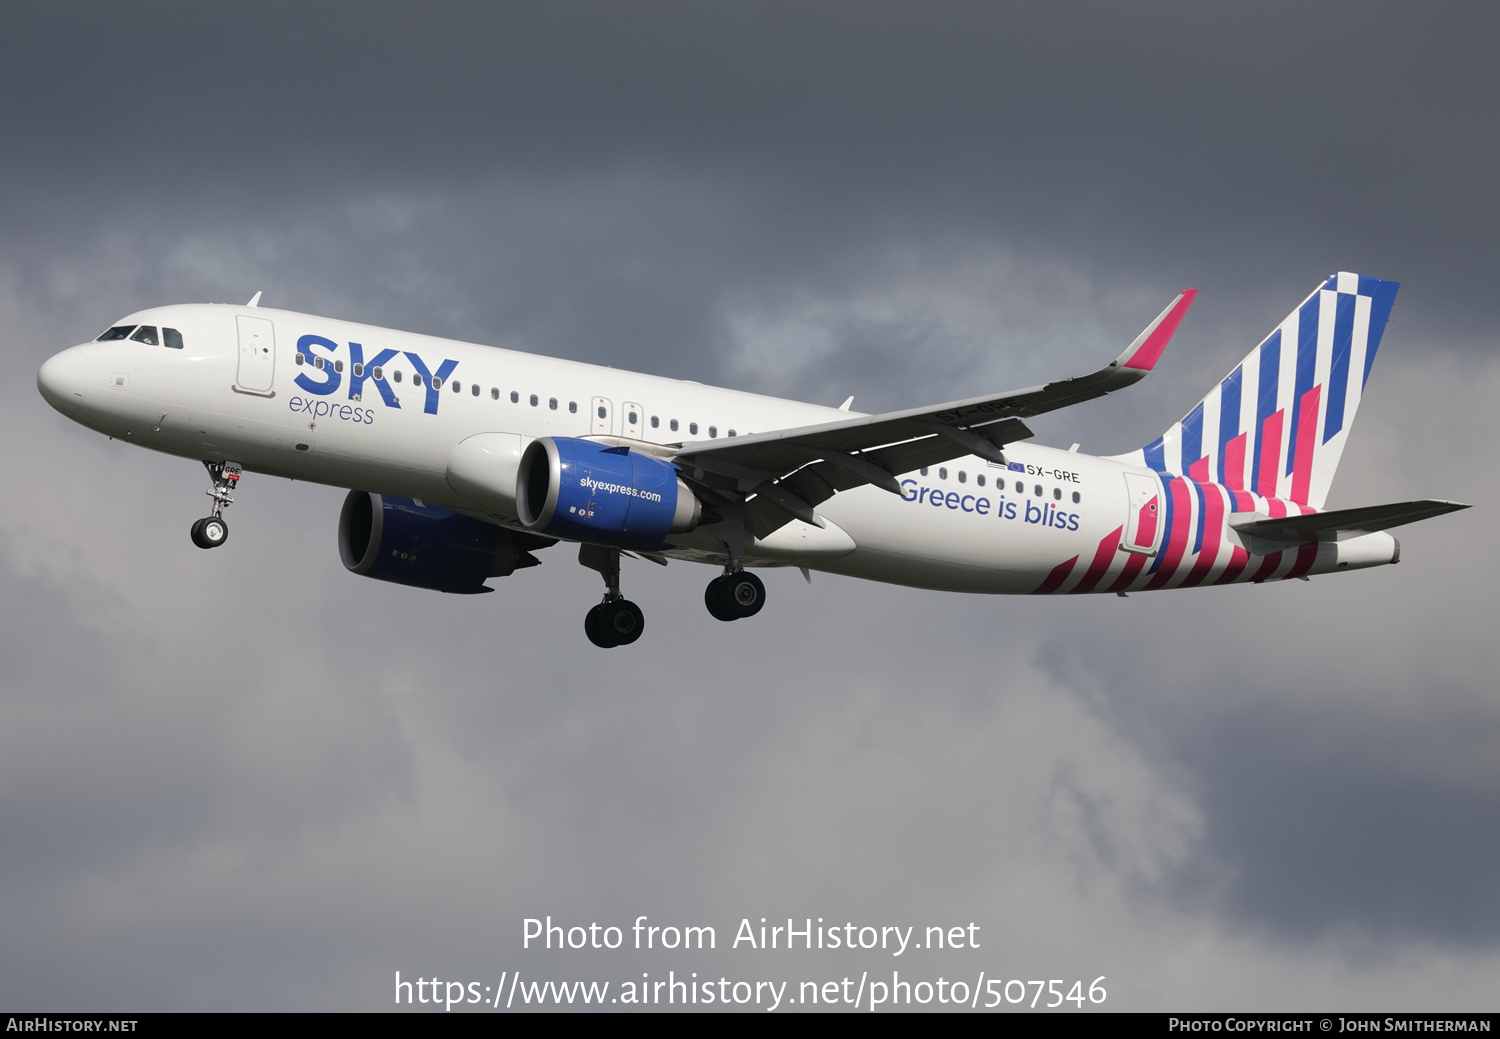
[(212, 531)]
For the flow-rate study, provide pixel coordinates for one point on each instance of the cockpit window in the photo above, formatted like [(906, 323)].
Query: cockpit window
[(172, 338), (118, 332), (146, 334)]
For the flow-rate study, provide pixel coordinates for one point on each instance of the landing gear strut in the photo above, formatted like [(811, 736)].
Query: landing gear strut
[(738, 593), (212, 531), (616, 621)]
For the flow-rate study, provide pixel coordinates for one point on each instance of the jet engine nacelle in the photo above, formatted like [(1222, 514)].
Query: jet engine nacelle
[(605, 495), (425, 546)]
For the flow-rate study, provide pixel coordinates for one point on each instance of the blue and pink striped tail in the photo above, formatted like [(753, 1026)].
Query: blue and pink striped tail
[(1276, 425)]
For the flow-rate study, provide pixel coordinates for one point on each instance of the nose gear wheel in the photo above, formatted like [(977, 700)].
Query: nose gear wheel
[(212, 531)]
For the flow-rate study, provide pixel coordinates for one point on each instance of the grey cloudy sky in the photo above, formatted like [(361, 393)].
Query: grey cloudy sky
[(247, 779)]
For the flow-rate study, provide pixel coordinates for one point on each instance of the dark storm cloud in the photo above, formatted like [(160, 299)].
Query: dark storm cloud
[(1343, 136), (1331, 823)]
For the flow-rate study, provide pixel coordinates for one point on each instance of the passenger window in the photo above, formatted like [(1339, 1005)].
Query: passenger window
[(534, 400), (475, 390), (338, 366), (146, 334), (396, 375), (979, 479), (1057, 493), (731, 432), (118, 332), (674, 425), (633, 418), (1038, 490), (943, 474), (300, 358), (552, 403), (437, 383), (515, 398), (655, 421), (171, 338), (494, 393), (379, 374), (713, 431), (1020, 487), (602, 412), (319, 363), (1076, 498), (572, 407), (359, 369), (923, 470), (457, 386), (962, 477)]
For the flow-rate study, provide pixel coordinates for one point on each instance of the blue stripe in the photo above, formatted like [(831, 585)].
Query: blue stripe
[(1166, 530), (1307, 360), (1265, 404), (1229, 413), (1156, 455), (1338, 372), (1202, 510), (1382, 298), (1192, 437)]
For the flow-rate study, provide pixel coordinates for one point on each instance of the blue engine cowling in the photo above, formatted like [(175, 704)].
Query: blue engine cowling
[(604, 495), (425, 546)]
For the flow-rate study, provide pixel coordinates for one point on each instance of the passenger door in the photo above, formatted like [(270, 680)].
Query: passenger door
[(1143, 522), (257, 354)]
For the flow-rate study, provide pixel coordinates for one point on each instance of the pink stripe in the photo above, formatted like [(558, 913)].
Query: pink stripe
[(1199, 470), (1270, 454), (1145, 527), (1147, 353), (1276, 508), (1055, 579), (1128, 574), (1238, 557), (1182, 524), (1306, 555), (1234, 463), (1268, 567), (1102, 558), (1213, 522), (1307, 439)]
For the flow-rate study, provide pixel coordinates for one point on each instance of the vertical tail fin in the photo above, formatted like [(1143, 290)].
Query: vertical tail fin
[(1276, 425)]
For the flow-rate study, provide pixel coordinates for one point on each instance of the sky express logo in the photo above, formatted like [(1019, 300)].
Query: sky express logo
[(361, 370)]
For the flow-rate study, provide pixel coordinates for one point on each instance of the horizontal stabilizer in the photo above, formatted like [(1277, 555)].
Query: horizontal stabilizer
[(1343, 524)]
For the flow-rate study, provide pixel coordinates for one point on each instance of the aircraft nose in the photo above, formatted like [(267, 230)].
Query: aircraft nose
[(62, 379)]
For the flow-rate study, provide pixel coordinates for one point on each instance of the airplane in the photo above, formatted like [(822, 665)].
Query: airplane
[(465, 461)]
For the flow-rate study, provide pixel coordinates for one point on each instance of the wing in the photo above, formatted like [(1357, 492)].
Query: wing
[(788, 472)]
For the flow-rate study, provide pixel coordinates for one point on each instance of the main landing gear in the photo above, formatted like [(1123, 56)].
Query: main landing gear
[(212, 531), (616, 621), (738, 593)]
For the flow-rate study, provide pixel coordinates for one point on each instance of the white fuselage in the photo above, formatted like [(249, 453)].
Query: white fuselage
[(236, 390)]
